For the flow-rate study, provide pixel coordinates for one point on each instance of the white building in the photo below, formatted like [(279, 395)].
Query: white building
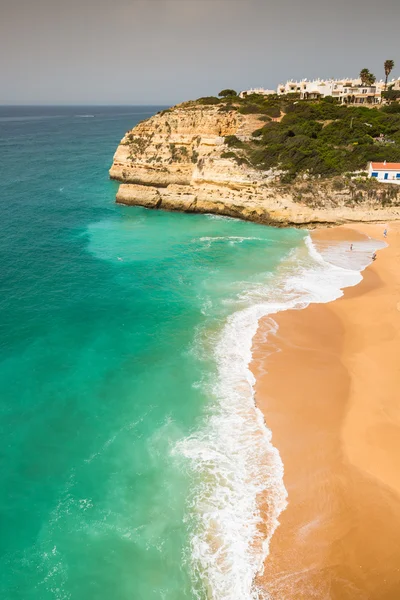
[(394, 84), (316, 88), (385, 172), (357, 93), (260, 91), (291, 87), (345, 90)]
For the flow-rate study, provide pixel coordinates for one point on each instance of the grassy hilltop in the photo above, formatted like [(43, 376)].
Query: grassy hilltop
[(317, 137)]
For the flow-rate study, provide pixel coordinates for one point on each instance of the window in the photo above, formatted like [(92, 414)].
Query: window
[(375, 174), (398, 176)]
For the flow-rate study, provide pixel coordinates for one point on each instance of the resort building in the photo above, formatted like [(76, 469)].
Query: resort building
[(260, 91), (316, 88), (347, 91), (385, 172), (357, 94)]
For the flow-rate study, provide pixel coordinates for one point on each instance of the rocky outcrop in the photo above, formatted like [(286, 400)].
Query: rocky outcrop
[(178, 160)]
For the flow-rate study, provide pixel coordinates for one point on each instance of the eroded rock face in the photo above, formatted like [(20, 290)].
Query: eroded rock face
[(178, 160)]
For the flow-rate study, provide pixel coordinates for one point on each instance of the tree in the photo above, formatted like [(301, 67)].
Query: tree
[(227, 93), (366, 77), (391, 95), (389, 66), (364, 73)]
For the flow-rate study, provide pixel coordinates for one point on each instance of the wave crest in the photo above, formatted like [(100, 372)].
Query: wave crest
[(235, 465)]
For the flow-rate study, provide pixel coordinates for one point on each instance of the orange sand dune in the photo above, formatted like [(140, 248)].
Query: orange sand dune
[(331, 397)]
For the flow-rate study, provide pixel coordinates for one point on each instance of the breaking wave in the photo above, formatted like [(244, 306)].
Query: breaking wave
[(234, 463)]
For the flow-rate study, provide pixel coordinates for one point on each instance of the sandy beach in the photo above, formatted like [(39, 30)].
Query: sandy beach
[(328, 384)]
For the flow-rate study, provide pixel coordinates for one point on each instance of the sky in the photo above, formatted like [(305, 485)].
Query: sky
[(168, 51)]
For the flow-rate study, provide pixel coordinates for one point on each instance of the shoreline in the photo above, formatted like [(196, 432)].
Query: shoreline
[(329, 397)]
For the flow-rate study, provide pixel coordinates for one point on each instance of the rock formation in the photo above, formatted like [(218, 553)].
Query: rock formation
[(178, 160)]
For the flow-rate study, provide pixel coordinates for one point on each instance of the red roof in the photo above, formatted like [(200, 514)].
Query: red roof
[(386, 166)]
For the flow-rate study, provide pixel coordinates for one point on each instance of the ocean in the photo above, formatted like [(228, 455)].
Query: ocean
[(132, 453)]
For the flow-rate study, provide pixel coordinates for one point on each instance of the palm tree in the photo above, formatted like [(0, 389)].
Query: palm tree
[(389, 66), (364, 76)]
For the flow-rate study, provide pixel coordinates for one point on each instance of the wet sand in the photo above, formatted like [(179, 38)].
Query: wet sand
[(328, 383)]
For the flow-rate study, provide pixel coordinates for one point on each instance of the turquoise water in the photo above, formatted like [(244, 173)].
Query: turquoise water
[(110, 317)]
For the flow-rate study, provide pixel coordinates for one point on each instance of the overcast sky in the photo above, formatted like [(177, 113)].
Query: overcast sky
[(167, 51)]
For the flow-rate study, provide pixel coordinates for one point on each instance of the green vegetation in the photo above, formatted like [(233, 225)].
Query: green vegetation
[(178, 153), (233, 142), (268, 106), (392, 96), (208, 100), (320, 138), (138, 144), (227, 93), (164, 112), (326, 139)]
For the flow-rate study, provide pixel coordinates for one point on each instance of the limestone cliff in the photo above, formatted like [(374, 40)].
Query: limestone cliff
[(178, 160)]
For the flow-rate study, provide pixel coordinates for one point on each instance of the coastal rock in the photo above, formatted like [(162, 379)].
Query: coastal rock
[(179, 160)]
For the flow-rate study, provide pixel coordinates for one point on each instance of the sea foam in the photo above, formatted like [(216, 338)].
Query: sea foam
[(237, 468)]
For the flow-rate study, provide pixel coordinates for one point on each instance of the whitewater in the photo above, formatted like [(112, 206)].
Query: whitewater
[(239, 471)]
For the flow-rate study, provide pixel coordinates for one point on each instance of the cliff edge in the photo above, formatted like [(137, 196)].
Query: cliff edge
[(181, 159)]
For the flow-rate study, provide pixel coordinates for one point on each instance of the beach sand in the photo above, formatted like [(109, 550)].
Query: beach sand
[(328, 384)]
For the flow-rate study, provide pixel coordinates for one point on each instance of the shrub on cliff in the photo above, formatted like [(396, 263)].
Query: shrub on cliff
[(248, 109), (258, 132), (208, 100), (227, 108), (391, 95), (392, 108), (272, 110), (324, 138), (233, 142)]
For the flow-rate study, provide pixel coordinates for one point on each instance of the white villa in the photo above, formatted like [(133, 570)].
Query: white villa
[(260, 91), (394, 84), (385, 172), (345, 90)]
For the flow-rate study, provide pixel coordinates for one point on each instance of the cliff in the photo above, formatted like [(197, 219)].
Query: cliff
[(179, 160)]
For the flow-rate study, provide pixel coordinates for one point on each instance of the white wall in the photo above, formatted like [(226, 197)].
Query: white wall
[(381, 176)]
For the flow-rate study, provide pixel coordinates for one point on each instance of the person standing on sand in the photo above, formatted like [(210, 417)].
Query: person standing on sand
[(385, 233), (374, 256), (351, 246)]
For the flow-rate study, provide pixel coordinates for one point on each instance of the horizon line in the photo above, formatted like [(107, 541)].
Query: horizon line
[(78, 104)]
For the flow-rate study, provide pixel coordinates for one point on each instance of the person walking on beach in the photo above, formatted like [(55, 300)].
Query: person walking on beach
[(351, 246), (385, 233), (374, 256)]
